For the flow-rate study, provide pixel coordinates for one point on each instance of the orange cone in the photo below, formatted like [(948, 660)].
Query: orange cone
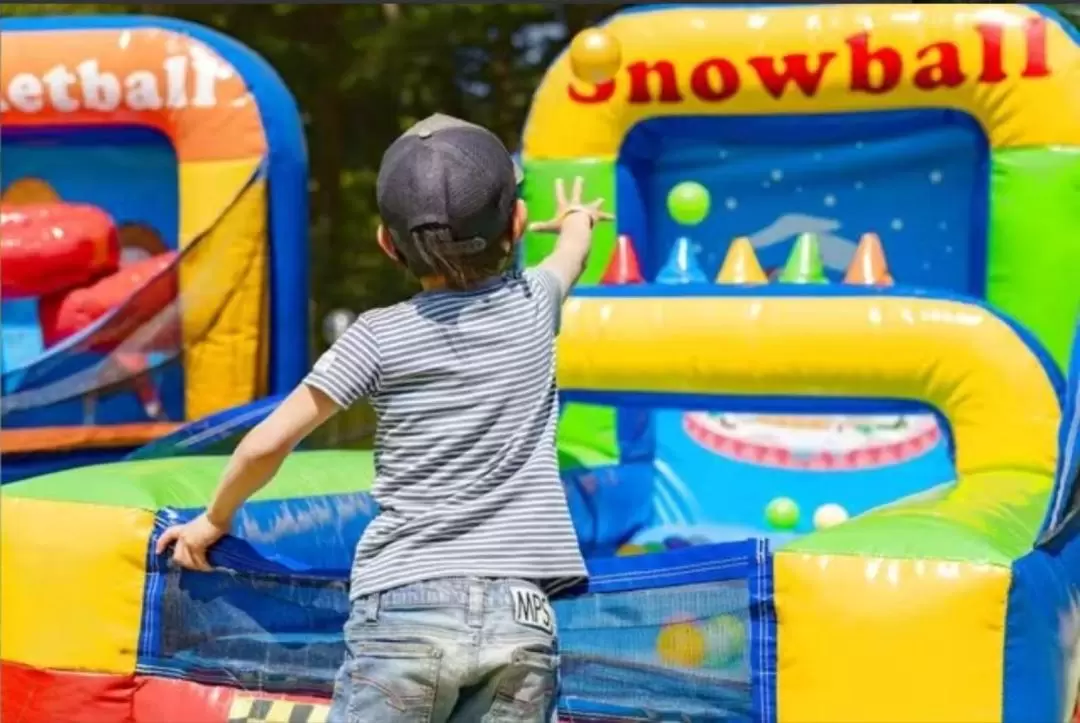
[(868, 267), (623, 268), (741, 265)]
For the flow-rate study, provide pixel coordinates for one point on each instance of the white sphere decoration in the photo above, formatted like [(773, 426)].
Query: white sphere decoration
[(336, 323), (829, 515)]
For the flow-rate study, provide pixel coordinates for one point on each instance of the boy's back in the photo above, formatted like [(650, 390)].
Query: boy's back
[(463, 383), (449, 615)]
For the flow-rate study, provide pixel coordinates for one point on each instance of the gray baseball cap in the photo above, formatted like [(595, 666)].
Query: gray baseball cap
[(448, 172)]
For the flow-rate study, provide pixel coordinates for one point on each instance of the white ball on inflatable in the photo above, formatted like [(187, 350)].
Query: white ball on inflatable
[(829, 515)]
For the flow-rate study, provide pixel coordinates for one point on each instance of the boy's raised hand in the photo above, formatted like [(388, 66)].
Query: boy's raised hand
[(191, 541), (565, 206)]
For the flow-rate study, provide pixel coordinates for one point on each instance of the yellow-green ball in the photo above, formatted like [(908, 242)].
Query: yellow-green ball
[(595, 55), (782, 513), (681, 644), (725, 640)]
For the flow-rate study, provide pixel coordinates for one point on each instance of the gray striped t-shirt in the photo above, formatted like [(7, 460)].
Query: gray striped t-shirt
[(467, 479)]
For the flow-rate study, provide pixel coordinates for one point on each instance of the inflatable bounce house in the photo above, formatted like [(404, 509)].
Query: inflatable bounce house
[(154, 225), (817, 436)]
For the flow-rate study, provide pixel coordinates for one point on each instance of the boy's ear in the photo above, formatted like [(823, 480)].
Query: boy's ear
[(519, 220), (382, 236)]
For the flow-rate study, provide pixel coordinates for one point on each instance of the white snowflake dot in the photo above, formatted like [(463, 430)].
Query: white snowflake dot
[(936, 176), (765, 184), (777, 174), (897, 224), (943, 226), (926, 266), (731, 204), (948, 249), (859, 185), (723, 154), (859, 145), (830, 200), (798, 189)]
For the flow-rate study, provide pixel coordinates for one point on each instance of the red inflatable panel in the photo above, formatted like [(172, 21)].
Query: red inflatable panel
[(166, 701), (159, 700), (30, 695), (50, 247), (153, 284)]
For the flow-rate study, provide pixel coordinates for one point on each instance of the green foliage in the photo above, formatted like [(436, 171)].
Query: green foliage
[(363, 73)]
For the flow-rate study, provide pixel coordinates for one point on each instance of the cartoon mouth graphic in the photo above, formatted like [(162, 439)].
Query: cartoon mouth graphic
[(814, 442)]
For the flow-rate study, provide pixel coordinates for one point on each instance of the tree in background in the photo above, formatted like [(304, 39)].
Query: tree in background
[(363, 73)]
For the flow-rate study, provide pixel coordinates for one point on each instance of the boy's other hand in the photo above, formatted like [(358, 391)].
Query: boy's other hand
[(565, 206), (192, 540)]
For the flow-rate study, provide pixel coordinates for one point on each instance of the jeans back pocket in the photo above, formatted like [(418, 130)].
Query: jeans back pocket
[(391, 681)]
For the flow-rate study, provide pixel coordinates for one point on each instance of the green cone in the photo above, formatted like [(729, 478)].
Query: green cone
[(804, 264)]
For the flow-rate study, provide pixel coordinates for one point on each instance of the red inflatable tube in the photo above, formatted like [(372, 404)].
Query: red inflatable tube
[(49, 247), (31, 695), (151, 286)]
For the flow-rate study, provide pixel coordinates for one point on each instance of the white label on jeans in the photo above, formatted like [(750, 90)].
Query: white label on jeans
[(532, 608)]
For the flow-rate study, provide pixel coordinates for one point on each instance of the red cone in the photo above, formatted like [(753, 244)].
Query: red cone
[(623, 268)]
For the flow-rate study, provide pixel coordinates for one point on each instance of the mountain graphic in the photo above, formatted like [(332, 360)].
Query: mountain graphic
[(836, 251)]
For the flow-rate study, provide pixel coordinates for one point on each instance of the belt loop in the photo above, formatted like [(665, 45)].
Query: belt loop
[(474, 605), (371, 608)]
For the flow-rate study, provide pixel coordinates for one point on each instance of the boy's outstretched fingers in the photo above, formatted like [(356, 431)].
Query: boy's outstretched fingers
[(564, 206), (560, 193), (575, 194), (598, 215)]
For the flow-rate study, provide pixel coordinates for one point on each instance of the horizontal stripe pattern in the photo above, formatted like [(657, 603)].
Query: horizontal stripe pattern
[(466, 471)]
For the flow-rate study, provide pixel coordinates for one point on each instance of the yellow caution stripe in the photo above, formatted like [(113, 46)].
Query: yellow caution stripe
[(248, 709)]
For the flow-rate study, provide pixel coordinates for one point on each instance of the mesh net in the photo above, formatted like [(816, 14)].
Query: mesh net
[(679, 651), (266, 632), (667, 652)]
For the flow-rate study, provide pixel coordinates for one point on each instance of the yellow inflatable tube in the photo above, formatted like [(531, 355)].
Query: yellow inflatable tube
[(958, 358)]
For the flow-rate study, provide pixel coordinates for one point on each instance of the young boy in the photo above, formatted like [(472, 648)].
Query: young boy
[(450, 619)]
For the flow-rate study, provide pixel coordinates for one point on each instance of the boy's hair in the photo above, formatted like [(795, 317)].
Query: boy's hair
[(432, 251), (446, 193)]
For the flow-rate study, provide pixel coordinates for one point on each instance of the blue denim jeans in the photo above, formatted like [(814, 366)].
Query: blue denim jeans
[(456, 650)]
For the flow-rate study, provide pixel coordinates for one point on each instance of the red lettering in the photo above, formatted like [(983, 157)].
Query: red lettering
[(1035, 37), (601, 92), (887, 59), (640, 72), (701, 80), (993, 66), (796, 68), (945, 71)]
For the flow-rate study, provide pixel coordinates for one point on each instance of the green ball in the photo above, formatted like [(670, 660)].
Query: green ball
[(688, 203), (782, 513), (725, 640)]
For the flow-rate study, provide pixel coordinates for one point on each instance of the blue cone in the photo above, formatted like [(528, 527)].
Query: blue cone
[(682, 266)]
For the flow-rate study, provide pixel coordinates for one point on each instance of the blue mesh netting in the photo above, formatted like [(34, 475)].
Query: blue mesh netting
[(674, 653), (255, 631), (675, 636)]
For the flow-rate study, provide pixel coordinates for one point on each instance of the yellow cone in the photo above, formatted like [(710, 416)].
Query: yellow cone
[(741, 265)]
